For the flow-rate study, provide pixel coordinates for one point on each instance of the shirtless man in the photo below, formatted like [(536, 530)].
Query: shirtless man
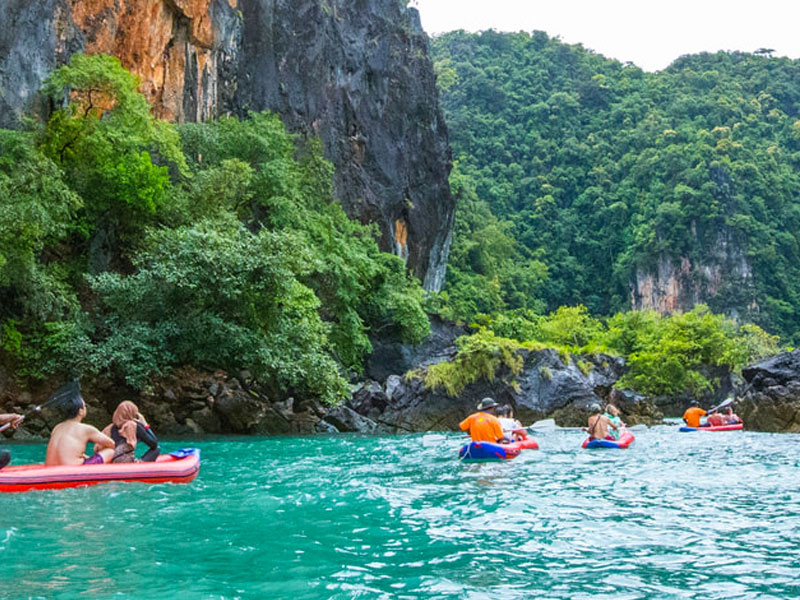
[(599, 424), (69, 438), (715, 419)]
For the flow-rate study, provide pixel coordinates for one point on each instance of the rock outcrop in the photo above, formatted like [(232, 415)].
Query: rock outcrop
[(721, 278), (191, 402), (356, 74), (548, 387), (770, 398)]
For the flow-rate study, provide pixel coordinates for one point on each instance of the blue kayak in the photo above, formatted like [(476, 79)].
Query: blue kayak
[(483, 451)]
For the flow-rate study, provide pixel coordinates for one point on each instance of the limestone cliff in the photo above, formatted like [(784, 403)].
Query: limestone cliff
[(357, 73), (720, 276)]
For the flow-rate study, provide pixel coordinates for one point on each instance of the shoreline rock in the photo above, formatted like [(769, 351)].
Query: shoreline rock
[(769, 400)]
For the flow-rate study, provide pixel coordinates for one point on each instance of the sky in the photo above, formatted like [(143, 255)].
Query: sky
[(649, 33)]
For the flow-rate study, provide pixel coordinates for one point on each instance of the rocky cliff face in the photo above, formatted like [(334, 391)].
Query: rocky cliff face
[(357, 73), (722, 278)]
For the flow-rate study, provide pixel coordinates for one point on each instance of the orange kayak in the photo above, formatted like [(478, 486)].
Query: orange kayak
[(178, 467)]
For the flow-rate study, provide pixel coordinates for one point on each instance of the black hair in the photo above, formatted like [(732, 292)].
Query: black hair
[(73, 406), (67, 399)]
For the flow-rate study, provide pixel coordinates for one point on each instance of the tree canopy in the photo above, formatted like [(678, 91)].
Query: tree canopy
[(588, 172)]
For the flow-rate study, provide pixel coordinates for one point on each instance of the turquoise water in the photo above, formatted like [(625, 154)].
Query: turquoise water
[(704, 515)]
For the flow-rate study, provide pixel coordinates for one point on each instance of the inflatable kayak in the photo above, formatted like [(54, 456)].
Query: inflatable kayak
[(527, 444), (625, 440), (733, 427), (178, 467), (475, 451)]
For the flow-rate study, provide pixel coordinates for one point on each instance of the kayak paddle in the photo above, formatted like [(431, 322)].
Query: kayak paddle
[(62, 395)]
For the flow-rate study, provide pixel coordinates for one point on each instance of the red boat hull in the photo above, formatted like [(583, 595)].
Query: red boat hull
[(166, 469)]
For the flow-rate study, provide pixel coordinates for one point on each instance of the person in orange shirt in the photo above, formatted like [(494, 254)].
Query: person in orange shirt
[(483, 426), (692, 415)]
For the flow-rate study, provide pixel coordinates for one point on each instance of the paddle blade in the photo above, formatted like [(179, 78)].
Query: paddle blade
[(544, 425), (727, 402), (64, 398)]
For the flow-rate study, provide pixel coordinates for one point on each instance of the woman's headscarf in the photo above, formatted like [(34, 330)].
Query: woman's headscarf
[(126, 418)]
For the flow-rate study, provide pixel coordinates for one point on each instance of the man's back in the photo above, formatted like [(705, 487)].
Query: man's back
[(598, 427), (68, 443), (692, 416), (483, 427)]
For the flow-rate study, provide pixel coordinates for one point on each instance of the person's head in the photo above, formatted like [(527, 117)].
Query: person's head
[(487, 405), (729, 410), (595, 408), (612, 410), (694, 403), (75, 407), (505, 411), (126, 411)]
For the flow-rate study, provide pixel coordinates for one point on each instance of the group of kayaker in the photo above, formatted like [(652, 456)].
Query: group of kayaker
[(69, 439), (713, 417), (493, 423), (604, 425), (496, 424)]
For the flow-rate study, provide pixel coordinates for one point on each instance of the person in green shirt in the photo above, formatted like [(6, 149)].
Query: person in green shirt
[(612, 413)]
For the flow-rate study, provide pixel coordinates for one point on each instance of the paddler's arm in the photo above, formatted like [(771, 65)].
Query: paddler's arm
[(12, 418), (100, 439), (464, 425), (106, 432), (146, 435)]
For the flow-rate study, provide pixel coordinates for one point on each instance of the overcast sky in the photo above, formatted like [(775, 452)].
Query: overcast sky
[(649, 33)]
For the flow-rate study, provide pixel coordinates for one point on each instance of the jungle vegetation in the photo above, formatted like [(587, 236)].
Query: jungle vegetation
[(131, 246), (576, 173)]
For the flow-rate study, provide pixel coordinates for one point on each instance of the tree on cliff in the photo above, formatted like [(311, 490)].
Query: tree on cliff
[(237, 258), (114, 153)]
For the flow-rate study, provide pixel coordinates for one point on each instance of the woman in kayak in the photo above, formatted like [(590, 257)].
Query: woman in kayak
[(612, 414), (128, 427), (512, 428), (730, 418)]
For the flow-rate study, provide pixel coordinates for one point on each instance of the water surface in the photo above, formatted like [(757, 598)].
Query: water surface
[(702, 515)]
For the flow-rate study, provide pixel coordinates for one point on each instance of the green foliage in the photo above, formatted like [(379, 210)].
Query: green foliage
[(488, 270), (569, 326), (479, 357), (216, 295), (359, 287), (232, 256), (665, 355), (36, 207), (596, 171), (105, 140)]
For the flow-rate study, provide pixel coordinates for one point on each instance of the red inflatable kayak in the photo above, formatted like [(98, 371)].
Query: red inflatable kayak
[(178, 467), (625, 440), (734, 427), (527, 444)]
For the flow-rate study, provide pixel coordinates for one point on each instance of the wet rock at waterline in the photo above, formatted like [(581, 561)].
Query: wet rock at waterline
[(548, 387), (770, 397)]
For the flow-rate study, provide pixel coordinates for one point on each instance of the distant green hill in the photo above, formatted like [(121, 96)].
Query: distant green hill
[(584, 180)]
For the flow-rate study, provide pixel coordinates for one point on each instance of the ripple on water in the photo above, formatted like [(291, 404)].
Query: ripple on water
[(675, 516)]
